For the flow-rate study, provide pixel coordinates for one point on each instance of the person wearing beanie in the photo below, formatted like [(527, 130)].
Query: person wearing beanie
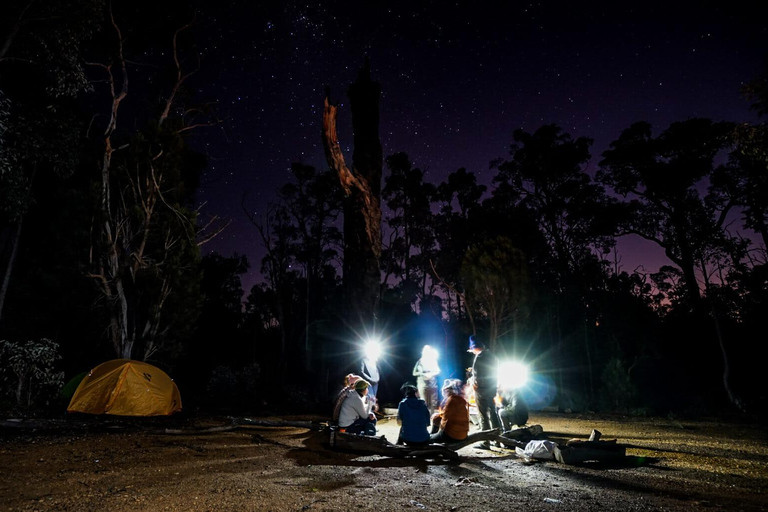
[(349, 383), (451, 424), (413, 418), (485, 374), (356, 414)]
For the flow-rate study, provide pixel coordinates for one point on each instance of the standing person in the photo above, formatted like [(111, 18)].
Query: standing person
[(485, 373), (413, 418), (369, 369), (426, 372), (451, 424), (356, 415)]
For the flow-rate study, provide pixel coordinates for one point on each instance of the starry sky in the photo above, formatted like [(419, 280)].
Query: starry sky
[(457, 79)]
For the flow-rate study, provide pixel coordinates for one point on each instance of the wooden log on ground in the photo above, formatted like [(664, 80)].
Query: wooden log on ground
[(380, 446), (188, 431), (518, 435), (483, 435), (577, 451), (311, 425)]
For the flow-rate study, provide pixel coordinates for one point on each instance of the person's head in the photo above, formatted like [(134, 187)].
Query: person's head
[(351, 379), (409, 390), (475, 345), (451, 387), (361, 386), (429, 355)]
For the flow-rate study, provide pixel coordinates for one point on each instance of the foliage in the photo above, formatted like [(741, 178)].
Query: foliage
[(662, 176), (495, 278), (546, 177), (411, 235), (29, 369)]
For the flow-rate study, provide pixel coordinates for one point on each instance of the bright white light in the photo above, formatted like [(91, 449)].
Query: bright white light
[(429, 359), (512, 374), (372, 349)]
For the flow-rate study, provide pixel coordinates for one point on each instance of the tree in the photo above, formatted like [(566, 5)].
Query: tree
[(41, 72), (457, 226), (545, 185), (661, 177), (546, 177), (495, 278), (313, 203), (362, 189), (411, 234), (300, 236), (145, 251)]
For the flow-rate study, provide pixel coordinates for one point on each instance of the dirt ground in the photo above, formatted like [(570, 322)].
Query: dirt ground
[(670, 465)]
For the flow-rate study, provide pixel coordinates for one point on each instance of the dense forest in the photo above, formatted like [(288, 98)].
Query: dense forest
[(103, 255)]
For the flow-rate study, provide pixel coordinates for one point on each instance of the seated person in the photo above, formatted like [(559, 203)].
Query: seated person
[(356, 414), (514, 410), (349, 384), (452, 423), (413, 418)]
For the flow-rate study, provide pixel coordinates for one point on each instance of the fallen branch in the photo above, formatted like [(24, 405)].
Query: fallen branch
[(380, 445), (311, 425)]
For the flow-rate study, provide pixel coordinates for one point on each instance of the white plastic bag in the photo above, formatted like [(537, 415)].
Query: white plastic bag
[(544, 450)]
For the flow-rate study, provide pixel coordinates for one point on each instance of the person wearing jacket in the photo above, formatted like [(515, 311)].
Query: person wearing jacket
[(453, 417), (485, 374), (426, 372), (413, 418), (356, 415)]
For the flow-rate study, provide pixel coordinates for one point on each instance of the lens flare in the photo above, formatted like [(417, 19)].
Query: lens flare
[(512, 374), (372, 349)]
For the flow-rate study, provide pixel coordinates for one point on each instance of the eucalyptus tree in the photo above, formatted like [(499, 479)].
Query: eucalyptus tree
[(41, 73), (362, 198), (546, 176), (457, 227), (661, 179), (313, 202), (544, 184), (144, 258), (411, 236), (678, 199), (495, 280)]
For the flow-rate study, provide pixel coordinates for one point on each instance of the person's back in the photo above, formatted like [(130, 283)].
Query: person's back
[(456, 417), (413, 416), (485, 370)]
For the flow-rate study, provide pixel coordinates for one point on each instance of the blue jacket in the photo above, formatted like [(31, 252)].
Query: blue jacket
[(414, 415)]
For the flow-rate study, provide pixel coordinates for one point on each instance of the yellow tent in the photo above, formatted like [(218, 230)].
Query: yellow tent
[(126, 388)]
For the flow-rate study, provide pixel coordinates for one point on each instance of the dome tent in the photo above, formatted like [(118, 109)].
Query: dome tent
[(124, 387)]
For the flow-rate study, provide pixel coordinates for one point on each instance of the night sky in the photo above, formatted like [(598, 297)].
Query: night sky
[(457, 79)]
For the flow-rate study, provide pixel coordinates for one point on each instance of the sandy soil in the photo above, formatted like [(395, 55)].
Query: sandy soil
[(670, 465)]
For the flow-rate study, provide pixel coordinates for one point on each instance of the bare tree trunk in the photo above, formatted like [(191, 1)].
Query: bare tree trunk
[(14, 244), (732, 397), (362, 211)]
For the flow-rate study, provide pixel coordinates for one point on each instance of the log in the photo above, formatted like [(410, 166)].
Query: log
[(577, 451), (380, 446), (311, 425), (483, 435), (523, 433)]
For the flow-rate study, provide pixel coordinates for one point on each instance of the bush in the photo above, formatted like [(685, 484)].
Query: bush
[(27, 370)]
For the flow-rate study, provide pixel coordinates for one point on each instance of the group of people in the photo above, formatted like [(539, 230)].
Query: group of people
[(421, 420)]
